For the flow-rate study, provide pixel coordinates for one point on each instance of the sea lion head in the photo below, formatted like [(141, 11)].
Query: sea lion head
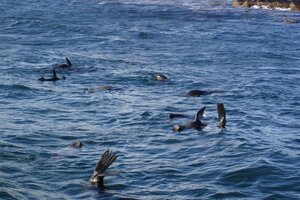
[(196, 93), (178, 128), (159, 77), (77, 144)]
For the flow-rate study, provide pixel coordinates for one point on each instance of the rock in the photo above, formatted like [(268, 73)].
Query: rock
[(292, 4)]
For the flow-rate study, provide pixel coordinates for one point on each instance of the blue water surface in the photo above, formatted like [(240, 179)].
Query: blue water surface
[(248, 58)]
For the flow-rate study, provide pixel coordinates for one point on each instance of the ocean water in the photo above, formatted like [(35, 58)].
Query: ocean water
[(248, 58)]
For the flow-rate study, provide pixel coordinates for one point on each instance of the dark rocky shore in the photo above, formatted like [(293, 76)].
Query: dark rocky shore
[(292, 4)]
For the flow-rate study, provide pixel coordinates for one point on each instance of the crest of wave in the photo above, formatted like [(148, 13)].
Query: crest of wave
[(191, 4)]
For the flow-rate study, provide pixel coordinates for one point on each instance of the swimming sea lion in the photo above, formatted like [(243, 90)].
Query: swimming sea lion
[(159, 77), (64, 66), (106, 160), (77, 144), (197, 124), (53, 78), (196, 93)]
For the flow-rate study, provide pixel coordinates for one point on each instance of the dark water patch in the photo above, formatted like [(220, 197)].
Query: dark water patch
[(249, 175), (229, 195)]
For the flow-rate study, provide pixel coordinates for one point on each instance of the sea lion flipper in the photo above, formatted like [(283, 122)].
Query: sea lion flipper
[(106, 160), (69, 62), (54, 77), (199, 115), (221, 115)]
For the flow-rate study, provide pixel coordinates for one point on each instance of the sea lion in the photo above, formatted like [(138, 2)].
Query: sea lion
[(197, 124), (64, 66), (196, 93), (108, 157), (159, 77), (53, 78), (77, 144)]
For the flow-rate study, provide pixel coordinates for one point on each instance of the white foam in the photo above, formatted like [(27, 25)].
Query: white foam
[(268, 8)]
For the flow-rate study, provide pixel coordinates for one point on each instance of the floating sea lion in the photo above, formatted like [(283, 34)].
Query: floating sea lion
[(196, 93), (77, 144), (53, 78), (197, 124), (64, 66), (106, 160), (159, 77)]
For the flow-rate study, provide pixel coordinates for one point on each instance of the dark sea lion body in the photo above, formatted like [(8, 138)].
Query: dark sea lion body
[(196, 93), (53, 78), (64, 66)]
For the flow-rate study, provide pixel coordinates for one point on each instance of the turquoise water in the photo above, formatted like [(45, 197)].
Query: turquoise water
[(248, 58)]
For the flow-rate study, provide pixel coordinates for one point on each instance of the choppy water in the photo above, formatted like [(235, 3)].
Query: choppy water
[(249, 57)]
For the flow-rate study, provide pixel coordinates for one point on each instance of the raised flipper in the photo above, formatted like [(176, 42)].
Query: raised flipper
[(199, 117), (54, 77), (221, 115), (106, 160), (69, 62)]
